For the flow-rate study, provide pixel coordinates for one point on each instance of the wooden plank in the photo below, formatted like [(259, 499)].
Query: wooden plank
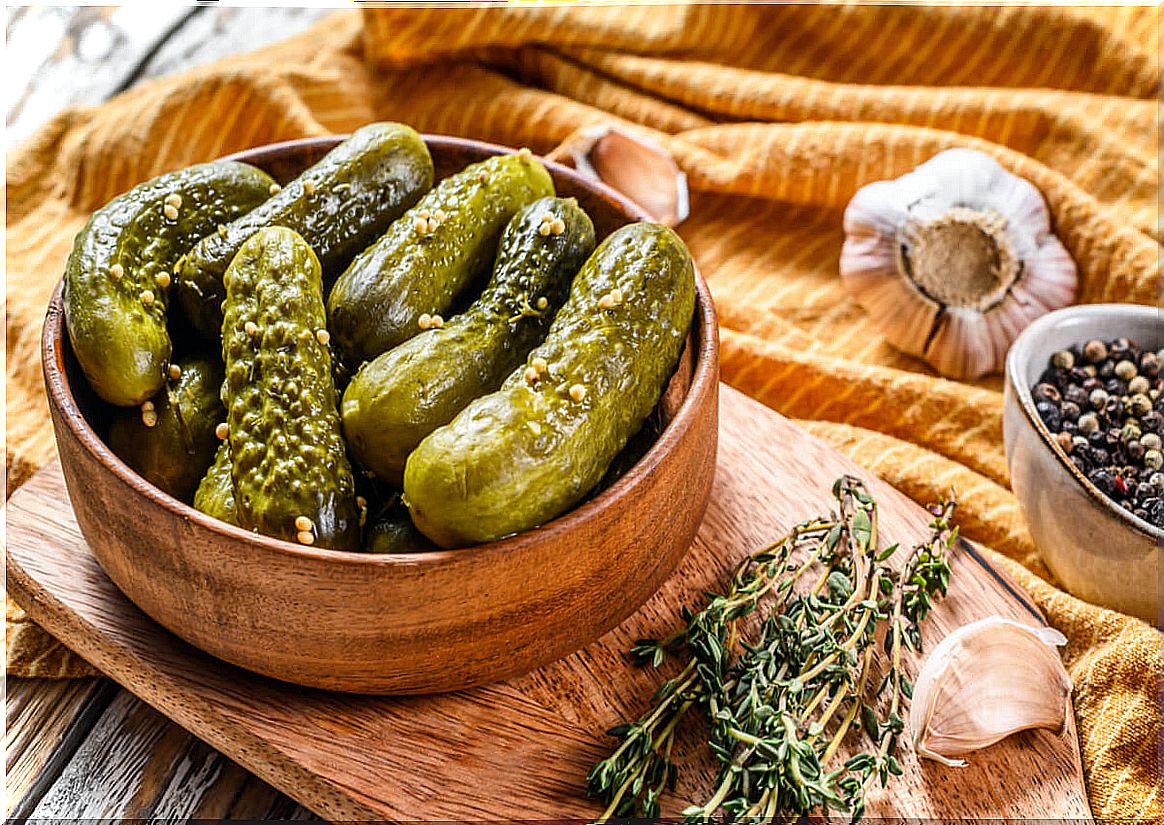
[(521, 749), (45, 722), (60, 56), (133, 763)]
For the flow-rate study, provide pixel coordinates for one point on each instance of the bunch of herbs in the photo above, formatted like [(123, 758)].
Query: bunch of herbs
[(781, 693)]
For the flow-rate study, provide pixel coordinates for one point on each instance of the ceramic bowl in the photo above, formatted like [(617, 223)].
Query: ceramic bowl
[(1099, 551), (409, 623)]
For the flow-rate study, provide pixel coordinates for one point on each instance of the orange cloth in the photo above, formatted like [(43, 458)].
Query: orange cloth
[(777, 114)]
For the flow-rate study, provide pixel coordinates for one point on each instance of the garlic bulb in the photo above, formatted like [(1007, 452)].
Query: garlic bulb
[(985, 681), (954, 259), (639, 168)]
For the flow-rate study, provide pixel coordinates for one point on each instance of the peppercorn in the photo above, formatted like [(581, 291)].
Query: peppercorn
[(1130, 432), (1076, 395), (1104, 404), (1095, 351), (1088, 423), (1139, 385), (1104, 480), (1139, 405), (1046, 392), (1126, 370)]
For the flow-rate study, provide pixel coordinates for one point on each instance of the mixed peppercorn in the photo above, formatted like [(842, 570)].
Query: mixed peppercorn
[(1102, 401)]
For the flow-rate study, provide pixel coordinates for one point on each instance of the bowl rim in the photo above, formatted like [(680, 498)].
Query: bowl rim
[(704, 375), (1026, 403)]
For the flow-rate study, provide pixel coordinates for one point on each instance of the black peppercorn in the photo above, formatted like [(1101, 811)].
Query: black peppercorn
[(1104, 401), (1047, 392), (1049, 412), (1104, 480), (1076, 395)]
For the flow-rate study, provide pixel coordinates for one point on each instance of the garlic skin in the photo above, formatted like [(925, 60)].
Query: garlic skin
[(954, 259), (639, 168), (985, 681)]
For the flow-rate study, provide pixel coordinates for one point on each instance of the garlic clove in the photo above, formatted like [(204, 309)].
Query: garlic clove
[(966, 237), (985, 681), (637, 167)]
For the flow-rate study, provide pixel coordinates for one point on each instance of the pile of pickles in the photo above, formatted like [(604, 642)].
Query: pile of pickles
[(368, 359)]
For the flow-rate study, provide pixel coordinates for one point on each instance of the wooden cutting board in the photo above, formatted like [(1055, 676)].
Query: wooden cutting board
[(521, 749)]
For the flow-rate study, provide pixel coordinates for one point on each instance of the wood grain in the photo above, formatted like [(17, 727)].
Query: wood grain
[(521, 749), (45, 723), (124, 761)]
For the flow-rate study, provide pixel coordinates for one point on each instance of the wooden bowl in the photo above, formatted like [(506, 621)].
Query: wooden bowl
[(409, 623)]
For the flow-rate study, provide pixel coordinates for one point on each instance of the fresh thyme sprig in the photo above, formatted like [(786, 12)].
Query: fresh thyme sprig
[(780, 703)]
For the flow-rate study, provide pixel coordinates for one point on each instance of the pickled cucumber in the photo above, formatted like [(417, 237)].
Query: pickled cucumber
[(428, 257), (118, 274), (392, 531), (291, 474), (170, 441), (407, 392), (339, 206), (518, 457), (215, 493)]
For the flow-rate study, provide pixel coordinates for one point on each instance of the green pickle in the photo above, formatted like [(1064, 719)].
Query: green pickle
[(339, 206), (215, 493), (170, 441), (290, 469), (409, 391), (118, 275), (392, 531), (516, 458), (429, 256)]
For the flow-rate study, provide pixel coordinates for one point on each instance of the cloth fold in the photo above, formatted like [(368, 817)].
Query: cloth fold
[(777, 114)]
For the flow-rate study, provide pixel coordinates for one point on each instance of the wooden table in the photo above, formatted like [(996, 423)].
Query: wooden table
[(86, 749)]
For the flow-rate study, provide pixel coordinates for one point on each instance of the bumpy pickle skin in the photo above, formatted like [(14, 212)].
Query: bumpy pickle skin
[(429, 256), (171, 442), (406, 393), (288, 459), (339, 206), (118, 276), (516, 458), (215, 493)]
